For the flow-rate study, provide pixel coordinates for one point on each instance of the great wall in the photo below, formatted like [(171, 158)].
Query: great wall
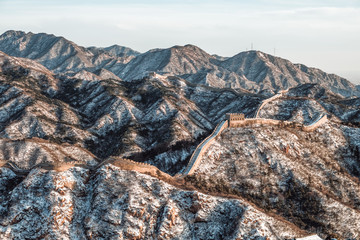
[(55, 164), (124, 163), (238, 120), (266, 101), (204, 145), (232, 121), (235, 120), (201, 148)]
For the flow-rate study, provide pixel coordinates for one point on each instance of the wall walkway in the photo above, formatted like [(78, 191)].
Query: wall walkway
[(195, 157), (201, 148), (266, 101), (204, 145), (317, 123)]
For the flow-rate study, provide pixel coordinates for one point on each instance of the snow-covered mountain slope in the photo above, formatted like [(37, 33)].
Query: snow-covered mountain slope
[(290, 109), (346, 110), (177, 60), (116, 51), (252, 70), (61, 55), (114, 203), (23, 66), (310, 178), (308, 101), (101, 74), (270, 72), (66, 112), (147, 120)]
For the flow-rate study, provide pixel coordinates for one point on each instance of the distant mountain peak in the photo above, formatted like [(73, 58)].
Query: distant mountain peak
[(252, 70), (15, 33), (190, 48), (19, 34), (121, 51)]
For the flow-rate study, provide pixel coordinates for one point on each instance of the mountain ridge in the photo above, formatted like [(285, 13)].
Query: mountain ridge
[(252, 70), (65, 132)]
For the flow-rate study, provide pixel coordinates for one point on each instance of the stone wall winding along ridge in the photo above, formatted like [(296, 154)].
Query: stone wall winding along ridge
[(201, 148), (318, 122), (195, 158), (266, 101)]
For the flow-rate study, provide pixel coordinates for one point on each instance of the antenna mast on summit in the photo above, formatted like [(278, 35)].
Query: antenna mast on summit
[(252, 46)]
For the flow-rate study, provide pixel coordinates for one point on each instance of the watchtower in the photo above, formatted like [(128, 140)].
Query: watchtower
[(234, 118)]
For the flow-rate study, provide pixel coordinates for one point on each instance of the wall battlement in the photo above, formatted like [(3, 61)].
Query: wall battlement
[(234, 117)]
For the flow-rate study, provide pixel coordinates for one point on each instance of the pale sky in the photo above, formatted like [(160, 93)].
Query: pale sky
[(318, 33)]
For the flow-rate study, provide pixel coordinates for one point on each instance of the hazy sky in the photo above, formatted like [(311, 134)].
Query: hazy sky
[(318, 33)]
